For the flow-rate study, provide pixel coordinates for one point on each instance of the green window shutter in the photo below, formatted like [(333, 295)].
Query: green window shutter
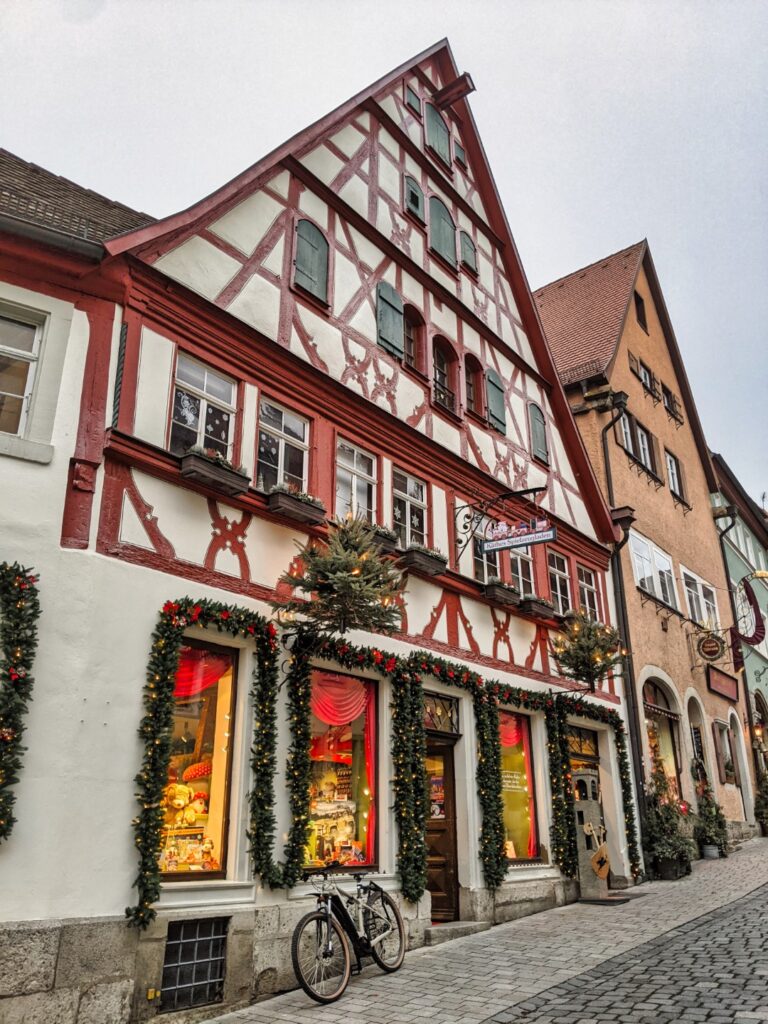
[(311, 260), (494, 392), (437, 134), (468, 252), (442, 231), (412, 99), (390, 322), (414, 198), (539, 448)]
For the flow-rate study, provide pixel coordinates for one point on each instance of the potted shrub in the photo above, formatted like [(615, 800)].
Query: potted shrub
[(537, 607), (296, 505), (710, 830), (761, 803), (667, 851), (500, 592), (208, 467), (384, 539), (425, 561)]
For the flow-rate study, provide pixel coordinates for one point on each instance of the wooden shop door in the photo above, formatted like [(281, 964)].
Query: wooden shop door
[(442, 874)]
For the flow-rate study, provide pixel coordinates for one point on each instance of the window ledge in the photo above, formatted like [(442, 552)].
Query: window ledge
[(444, 411), (540, 462), (322, 304), (641, 467), (415, 372), (680, 501), (450, 268), (659, 602), (478, 418), (415, 219), (21, 448)]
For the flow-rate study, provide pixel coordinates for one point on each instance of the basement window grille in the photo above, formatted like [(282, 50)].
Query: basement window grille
[(193, 971)]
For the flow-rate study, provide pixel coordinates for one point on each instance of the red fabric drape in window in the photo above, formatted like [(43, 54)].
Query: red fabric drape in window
[(514, 730), (337, 700), (198, 669)]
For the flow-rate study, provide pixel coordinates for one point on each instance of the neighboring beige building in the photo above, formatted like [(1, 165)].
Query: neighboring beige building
[(610, 334)]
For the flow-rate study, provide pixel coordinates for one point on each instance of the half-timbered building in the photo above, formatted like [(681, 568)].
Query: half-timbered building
[(344, 328)]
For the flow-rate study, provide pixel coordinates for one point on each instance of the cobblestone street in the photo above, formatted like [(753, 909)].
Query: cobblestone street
[(693, 950)]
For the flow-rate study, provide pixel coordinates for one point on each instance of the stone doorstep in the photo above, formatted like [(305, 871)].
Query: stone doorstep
[(435, 934)]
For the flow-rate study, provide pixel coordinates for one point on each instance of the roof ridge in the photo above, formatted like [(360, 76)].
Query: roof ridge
[(588, 266), (74, 184)]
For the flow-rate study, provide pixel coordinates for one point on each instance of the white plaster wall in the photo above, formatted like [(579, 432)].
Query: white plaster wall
[(246, 224), (199, 265)]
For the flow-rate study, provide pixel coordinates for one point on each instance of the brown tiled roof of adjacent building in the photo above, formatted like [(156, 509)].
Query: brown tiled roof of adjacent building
[(583, 313), (33, 195)]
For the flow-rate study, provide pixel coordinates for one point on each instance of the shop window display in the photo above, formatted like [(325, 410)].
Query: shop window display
[(343, 779), (195, 800), (520, 832)]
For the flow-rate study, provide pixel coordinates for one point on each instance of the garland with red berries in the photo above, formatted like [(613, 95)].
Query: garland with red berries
[(19, 612), (157, 725)]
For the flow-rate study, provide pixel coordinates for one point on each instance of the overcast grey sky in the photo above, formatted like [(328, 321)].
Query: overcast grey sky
[(605, 121)]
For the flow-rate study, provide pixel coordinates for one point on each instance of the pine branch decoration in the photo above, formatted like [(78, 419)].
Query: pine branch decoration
[(586, 650)]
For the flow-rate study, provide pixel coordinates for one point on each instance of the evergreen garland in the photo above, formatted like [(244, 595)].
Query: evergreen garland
[(299, 765), (157, 725), (492, 847), (19, 612), (261, 830)]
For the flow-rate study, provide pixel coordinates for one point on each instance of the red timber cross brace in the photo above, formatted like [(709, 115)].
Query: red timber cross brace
[(89, 446)]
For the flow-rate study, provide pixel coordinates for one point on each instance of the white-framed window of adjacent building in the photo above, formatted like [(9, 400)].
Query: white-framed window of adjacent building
[(559, 582), (588, 597), (644, 451), (486, 563), (674, 474), (203, 413), (521, 566), (700, 598), (626, 431), (409, 509), (653, 570), (19, 351), (355, 482), (283, 449)]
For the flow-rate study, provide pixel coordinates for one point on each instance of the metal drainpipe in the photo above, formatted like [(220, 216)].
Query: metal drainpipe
[(618, 575), (750, 720)]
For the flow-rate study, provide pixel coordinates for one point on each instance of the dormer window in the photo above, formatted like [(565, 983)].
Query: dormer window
[(438, 136)]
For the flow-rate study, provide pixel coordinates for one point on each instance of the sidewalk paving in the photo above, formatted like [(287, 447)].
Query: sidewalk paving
[(486, 977)]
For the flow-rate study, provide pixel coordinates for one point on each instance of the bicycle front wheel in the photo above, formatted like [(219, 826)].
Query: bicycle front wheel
[(321, 959), (385, 930)]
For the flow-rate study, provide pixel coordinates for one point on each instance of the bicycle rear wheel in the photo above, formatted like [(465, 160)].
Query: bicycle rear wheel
[(382, 918), (321, 962)]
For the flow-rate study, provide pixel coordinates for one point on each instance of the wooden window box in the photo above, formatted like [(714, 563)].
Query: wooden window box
[(286, 504), (386, 545), (536, 608), (500, 594), (212, 474), (423, 562)]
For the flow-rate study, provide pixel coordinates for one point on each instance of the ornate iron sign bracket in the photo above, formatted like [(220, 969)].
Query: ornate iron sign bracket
[(468, 518)]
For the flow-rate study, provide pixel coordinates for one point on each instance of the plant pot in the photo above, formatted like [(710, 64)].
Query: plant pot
[(535, 608), (286, 504), (710, 852), (670, 869), (423, 563), (500, 594), (211, 474)]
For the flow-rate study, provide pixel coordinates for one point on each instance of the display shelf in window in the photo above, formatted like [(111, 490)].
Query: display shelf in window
[(423, 561), (296, 505), (207, 467)]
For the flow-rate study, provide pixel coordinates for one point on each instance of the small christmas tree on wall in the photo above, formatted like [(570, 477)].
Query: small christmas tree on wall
[(586, 650), (347, 582)]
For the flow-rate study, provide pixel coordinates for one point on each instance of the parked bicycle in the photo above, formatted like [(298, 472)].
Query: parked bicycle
[(368, 920)]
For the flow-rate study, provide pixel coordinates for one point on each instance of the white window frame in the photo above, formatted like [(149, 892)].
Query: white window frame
[(559, 575), (206, 400), (517, 559), (488, 562), (588, 588), (626, 430), (644, 447), (655, 557), (410, 501), (646, 376), (283, 439), (673, 473), (706, 612), (373, 479), (32, 358)]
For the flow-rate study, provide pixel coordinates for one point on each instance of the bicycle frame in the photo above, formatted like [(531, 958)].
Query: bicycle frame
[(335, 903)]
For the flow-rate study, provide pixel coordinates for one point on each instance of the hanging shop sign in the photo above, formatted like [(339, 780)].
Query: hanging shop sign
[(710, 647), (723, 684), (504, 535)]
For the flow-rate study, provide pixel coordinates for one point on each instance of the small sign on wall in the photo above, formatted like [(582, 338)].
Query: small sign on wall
[(721, 683), (519, 535)]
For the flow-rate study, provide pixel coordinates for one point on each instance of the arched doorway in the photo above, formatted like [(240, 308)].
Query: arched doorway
[(661, 724), (701, 768)]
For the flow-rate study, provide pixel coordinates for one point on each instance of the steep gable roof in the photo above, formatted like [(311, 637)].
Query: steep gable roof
[(734, 491), (33, 195), (583, 313)]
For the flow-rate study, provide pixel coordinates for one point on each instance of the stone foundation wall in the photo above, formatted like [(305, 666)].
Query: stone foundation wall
[(516, 899), (103, 972)]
